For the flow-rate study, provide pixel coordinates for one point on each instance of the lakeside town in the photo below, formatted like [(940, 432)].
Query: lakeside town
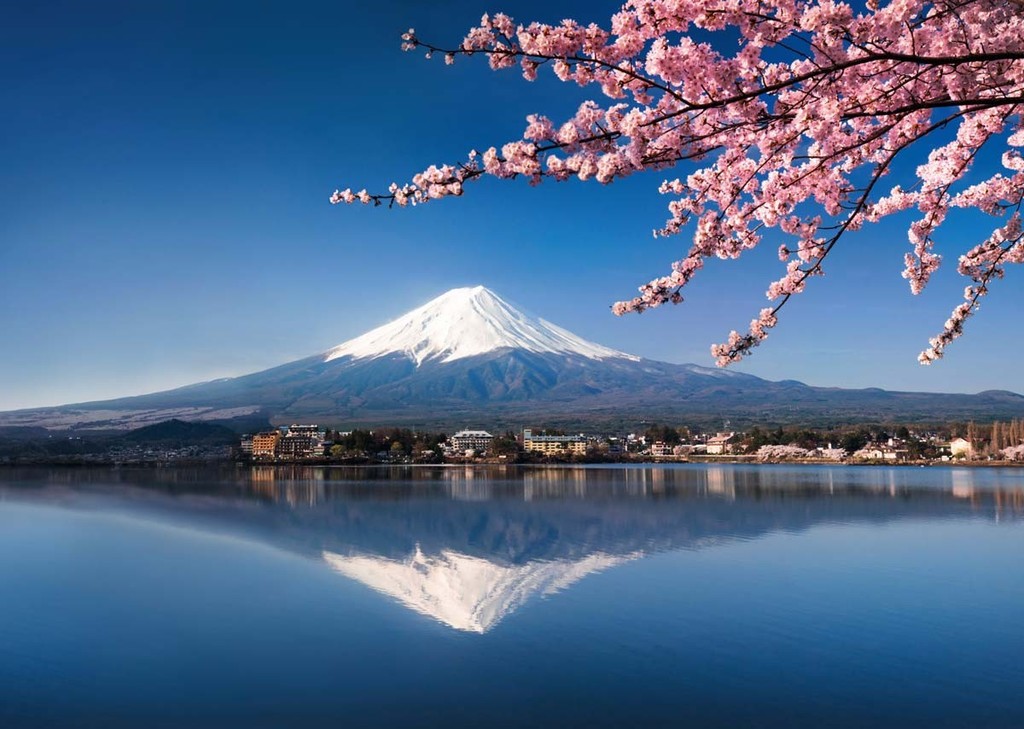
[(178, 442), (996, 442)]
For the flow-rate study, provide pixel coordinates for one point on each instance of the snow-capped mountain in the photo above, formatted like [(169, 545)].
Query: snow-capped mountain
[(468, 322), (470, 356)]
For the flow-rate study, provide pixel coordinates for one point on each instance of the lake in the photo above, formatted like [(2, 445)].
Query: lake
[(687, 595)]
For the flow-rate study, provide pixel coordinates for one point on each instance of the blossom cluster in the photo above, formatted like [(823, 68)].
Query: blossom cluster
[(981, 264), (771, 453), (793, 132), (1014, 453)]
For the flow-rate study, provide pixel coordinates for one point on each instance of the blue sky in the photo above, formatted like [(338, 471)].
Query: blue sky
[(164, 214)]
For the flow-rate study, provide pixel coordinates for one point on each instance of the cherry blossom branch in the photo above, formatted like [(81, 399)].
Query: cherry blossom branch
[(982, 264), (787, 142)]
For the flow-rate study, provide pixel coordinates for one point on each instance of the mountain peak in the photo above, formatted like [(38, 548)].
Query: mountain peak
[(466, 322)]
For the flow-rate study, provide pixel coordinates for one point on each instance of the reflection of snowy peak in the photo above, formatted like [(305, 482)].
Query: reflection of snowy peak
[(465, 323), (463, 592)]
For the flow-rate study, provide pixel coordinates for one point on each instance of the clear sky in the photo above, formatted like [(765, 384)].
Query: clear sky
[(164, 214)]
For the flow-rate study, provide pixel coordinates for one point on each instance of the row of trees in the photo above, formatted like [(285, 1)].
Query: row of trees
[(992, 440), (985, 439), (403, 442), (394, 441)]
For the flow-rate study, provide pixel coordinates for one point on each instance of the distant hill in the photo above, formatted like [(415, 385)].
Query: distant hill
[(178, 433), (470, 358), (15, 433)]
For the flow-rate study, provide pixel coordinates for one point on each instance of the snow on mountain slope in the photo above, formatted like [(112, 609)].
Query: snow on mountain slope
[(464, 323)]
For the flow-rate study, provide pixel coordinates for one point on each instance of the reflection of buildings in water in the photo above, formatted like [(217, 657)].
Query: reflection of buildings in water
[(296, 486), (637, 481), (998, 502), (304, 493), (578, 481), (658, 480), (996, 490), (293, 493), (584, 482), (1009, 501), (262, 475), (469, 490), (470, 483), (721, 481), (270, 474), (465, 592), (562, 482), (962, 484)]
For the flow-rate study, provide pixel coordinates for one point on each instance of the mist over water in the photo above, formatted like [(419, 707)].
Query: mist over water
[(594, 596)]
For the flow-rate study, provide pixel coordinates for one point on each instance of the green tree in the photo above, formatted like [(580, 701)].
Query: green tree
[(506, 445), (854, 441), (663, 434)]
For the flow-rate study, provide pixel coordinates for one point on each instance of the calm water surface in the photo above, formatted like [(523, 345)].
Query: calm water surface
[(717, 596)]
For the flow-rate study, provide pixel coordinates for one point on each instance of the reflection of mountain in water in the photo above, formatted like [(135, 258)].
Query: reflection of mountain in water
[(466, 593), (469, 547)]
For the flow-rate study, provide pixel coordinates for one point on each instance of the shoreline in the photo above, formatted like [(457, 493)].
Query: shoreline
[(486, 464)]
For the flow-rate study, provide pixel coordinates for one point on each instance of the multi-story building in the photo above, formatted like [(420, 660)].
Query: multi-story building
[(264, 445), (477, 441), (301, 441), (295, 441), (551, 445), (661, 449)]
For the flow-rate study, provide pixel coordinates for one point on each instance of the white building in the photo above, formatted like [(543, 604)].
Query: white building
[(882, 452), (477, 441), (719, 444), (961, 448)]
